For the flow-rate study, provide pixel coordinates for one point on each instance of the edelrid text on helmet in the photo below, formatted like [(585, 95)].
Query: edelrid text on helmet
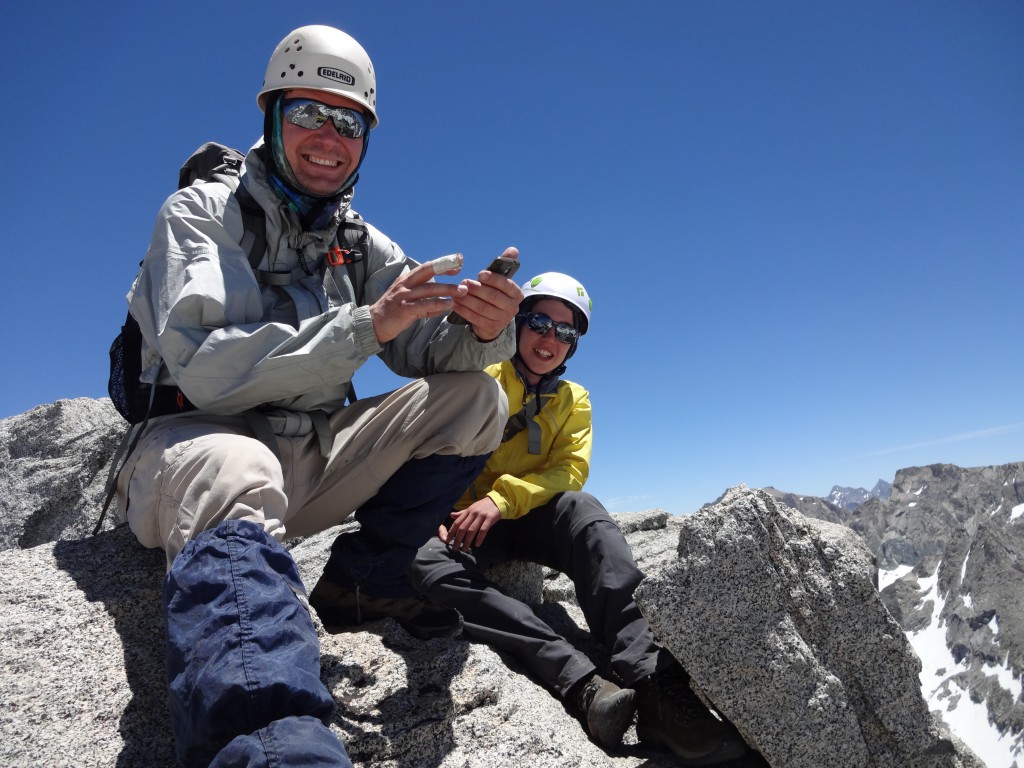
[(325, 59)]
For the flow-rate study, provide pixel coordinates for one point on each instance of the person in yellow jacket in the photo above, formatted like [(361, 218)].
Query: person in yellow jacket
[(528, 504)]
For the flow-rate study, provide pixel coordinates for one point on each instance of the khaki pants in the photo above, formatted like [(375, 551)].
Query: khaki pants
[(194, 471)]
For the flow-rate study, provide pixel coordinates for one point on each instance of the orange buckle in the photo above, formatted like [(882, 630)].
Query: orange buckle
[(337, 257)]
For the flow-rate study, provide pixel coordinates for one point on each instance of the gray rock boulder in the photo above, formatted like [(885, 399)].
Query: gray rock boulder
[(81, 635), (53, 469), (777, 619)]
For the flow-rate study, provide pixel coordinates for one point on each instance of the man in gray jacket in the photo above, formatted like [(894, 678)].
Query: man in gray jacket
[(260, 445)]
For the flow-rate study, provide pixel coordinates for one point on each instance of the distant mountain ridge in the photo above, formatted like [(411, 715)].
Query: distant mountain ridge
[(851, 498)]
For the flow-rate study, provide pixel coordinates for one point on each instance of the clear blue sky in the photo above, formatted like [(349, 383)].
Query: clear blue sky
[(802, 222)]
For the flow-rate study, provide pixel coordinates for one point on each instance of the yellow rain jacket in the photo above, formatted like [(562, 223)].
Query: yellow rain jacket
[(518, 481)]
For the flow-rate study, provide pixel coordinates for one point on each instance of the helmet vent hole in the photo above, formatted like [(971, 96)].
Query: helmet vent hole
[(299, 73)]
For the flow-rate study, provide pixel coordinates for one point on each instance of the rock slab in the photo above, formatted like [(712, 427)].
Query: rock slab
[(778, 620)]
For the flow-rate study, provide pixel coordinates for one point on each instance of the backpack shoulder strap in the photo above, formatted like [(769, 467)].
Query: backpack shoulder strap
[(254, 230), (216, 162), (352, 249)]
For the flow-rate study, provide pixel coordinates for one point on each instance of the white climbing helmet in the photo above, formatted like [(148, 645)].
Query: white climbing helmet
[(325, 59), (561, 286)]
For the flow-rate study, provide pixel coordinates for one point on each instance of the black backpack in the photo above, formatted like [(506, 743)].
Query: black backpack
[(137, 402)]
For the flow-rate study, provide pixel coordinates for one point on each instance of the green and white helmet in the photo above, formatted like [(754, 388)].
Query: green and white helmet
[(325, 59), (556, 285)]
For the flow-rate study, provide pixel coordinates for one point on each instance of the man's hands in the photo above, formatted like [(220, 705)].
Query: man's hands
[(410, 298), (489, 303), (471, 525)]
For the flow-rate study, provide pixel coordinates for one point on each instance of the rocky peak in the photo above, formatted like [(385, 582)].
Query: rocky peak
[(850, 499), (774, 614)]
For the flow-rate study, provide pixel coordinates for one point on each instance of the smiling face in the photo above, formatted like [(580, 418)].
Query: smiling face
[(321, 160), (542, 354)]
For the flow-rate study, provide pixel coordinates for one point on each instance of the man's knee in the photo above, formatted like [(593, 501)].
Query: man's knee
[(181, 487), (476, 405)]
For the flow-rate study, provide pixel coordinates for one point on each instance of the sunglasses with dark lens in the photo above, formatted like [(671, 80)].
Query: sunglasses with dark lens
[(540, 323), (310, 114)]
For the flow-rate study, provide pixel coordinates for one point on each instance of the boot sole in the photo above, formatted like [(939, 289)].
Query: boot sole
[(729, 750)]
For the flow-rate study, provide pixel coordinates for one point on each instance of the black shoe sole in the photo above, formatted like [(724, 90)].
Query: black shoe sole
[(724, 752)]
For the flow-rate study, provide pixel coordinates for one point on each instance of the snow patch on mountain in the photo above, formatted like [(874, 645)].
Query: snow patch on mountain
[(966, 717), (888, 576)]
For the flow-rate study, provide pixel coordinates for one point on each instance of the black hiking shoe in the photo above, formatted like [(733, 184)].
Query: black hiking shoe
[(342, 609), (671, 715), (607, 709)]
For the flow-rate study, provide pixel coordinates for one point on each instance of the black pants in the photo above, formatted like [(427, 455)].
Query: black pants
[(573, 533), (403, 514)]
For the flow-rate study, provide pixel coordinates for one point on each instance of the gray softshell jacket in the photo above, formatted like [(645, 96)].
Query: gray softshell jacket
[(231, 344)]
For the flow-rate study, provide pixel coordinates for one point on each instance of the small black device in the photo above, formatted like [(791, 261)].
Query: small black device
[(502, 265)]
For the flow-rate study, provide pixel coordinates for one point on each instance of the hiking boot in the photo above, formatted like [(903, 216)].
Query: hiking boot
[(670, 714), (607, 708), (342, 609)]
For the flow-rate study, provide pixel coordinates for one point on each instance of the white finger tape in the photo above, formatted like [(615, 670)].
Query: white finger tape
[(447, 263)]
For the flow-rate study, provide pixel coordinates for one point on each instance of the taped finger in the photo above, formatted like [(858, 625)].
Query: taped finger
[(447, 263)]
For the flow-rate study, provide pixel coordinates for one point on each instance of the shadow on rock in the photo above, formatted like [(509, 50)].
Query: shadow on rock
[(113, 569), (393, 694)]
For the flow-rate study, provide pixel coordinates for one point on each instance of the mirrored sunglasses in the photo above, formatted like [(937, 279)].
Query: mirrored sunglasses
[(310, 114), (540, 323)]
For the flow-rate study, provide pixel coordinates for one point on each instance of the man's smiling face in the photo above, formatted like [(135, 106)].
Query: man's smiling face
[(321, 160)]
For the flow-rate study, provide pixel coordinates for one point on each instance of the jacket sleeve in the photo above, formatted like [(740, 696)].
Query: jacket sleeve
[(566, 468)]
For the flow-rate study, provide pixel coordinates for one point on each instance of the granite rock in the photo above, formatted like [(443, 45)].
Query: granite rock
[(777, 618), (82, 638)]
